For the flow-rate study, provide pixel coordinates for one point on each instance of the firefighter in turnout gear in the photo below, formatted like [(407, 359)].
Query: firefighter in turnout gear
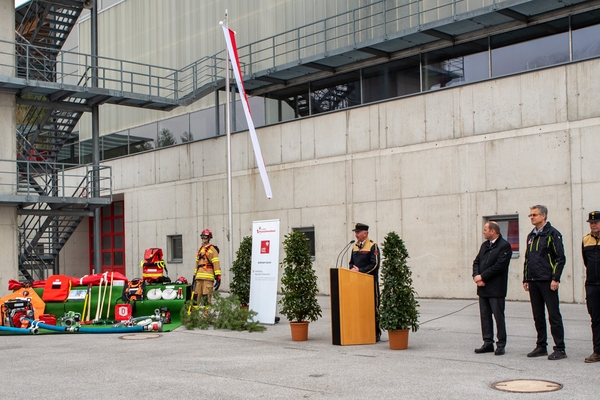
[(208, 270)]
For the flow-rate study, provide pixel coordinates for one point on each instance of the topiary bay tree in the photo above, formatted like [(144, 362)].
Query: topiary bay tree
[(299, 281), (241, 270), (398, 308)]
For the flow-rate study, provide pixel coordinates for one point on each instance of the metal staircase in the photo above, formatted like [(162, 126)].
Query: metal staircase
[(46, 224)]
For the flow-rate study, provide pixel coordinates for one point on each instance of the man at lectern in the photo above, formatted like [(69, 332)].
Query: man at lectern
[(365, 259)]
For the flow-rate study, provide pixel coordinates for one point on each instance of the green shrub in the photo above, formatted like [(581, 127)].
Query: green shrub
[(398, 307)]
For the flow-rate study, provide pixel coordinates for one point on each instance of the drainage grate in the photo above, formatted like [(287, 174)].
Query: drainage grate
[(140, 336), (527, 386)]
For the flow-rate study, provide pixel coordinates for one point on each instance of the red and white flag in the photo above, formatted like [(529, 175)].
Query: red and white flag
[(235, 63)]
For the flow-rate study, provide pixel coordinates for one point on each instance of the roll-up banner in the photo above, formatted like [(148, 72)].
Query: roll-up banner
[(265, 266)]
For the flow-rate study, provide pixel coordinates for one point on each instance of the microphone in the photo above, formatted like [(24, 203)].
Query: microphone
[(343, 250)]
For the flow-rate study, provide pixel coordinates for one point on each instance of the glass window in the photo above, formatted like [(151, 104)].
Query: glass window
[(106, 259), (334, 93), (118, 258), (142, 138), (586, 36), (173, 130), (530, 48), (456, 65), (118, 222), (393, 79), (118, 208), (118, 241), (106, 226), (309, 232), (175, 248), (509, 229), (106, 242), (202, 124)]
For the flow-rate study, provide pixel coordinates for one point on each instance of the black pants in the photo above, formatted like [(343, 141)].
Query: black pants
[(592, 299), (542, 297), (489, 306)]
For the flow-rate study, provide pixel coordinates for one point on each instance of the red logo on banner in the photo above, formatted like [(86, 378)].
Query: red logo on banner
[(265, 246)]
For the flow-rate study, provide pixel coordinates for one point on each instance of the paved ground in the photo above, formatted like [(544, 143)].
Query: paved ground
[(217, 364)]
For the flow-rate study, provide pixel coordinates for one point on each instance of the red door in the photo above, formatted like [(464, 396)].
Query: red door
[(112, 242)]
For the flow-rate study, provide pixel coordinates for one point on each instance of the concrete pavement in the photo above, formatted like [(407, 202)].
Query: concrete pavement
[(201, 364)]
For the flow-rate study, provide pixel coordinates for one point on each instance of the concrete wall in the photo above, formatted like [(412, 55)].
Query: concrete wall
[(429, 167), (8, 214)]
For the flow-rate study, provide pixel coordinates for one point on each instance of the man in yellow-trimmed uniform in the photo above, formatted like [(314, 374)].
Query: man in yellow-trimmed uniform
[(208, 269)]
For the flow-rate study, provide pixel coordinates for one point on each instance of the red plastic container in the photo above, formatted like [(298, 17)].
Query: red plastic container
[(122, 312), (48, 319)]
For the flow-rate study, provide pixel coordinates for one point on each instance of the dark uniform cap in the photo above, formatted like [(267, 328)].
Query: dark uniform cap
[(363, 227), (594, 216)]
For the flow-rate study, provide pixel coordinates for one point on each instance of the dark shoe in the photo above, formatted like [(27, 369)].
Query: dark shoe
[(557, 355), (486, 348), (593, 358), (537, 352), (499, 351)]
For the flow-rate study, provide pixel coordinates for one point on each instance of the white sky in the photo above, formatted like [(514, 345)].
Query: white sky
[(19, 2)]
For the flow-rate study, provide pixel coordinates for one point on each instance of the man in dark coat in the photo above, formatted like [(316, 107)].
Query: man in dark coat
[(490, 274)]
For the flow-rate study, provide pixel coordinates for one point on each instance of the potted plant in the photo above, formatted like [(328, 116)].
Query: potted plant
[(298, 286), (398, 307), (240, 269)]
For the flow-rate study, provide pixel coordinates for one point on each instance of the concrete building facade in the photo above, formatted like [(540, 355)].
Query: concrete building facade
[(433, 166)]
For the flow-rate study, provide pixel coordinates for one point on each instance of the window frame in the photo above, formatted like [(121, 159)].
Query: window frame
[(309, 232), (171, 249), (502, 221)]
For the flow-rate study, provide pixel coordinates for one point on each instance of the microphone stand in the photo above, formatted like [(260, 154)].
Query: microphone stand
[(343, 250)]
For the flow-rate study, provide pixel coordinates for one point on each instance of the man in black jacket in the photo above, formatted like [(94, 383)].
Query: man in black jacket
[(544, 264), (365, 259), (590, 248), (490, 274)]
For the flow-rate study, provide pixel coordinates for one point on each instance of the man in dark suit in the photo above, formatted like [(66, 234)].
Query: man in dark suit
[(490, 274)]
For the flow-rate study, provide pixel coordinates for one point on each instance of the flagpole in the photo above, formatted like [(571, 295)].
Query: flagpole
[(229, 185)]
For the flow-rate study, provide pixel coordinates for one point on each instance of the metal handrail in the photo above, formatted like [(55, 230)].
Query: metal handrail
[(381, 19), (59, 181)]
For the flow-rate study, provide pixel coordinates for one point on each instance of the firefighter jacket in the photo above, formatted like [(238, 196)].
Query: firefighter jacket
[(366, 257), (492, 263), (545, 255), (590, 249), (207, 263)]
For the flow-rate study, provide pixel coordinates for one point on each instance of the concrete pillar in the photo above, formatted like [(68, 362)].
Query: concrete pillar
[(8, 214)]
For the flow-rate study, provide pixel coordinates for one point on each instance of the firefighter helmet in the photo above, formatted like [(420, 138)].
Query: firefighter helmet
[(206, 232)]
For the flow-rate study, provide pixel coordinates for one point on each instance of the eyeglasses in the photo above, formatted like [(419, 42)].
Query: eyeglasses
[(533, 215)]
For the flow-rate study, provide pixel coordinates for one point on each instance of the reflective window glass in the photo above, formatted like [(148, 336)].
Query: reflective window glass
[(456, 65), (393, 79), (586, 36), (530, 48), (118, 222), (118, 258)]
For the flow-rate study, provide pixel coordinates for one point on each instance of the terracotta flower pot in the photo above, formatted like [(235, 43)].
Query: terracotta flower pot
[(398, 339), (299, 331)]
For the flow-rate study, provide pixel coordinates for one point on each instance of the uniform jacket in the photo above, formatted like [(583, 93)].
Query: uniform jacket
[(492, 264), (207, 263), (590, 249), (545, 255), (366, 258)]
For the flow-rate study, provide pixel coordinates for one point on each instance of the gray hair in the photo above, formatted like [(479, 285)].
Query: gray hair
[(542, 209)]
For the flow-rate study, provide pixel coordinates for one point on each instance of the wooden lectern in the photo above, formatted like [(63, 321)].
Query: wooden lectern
[(352, 307)]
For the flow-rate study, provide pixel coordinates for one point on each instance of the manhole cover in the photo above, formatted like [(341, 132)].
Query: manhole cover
[(527, 386), (140, 336)]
